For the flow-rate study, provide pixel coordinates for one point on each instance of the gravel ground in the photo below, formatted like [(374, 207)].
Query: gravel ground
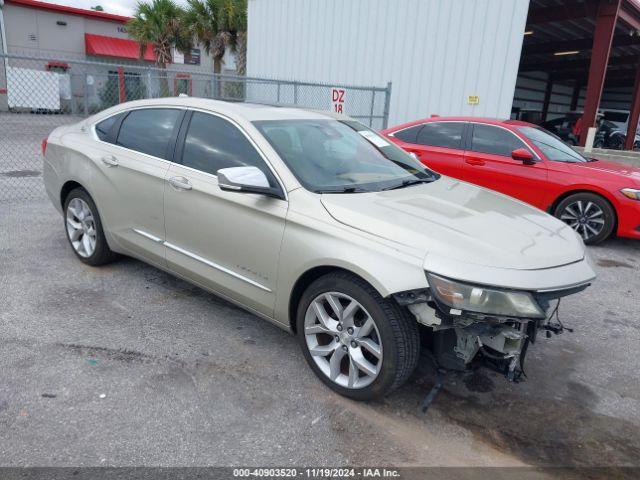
[(126, 365)]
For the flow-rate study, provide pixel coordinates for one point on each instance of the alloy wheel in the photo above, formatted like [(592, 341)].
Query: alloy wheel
[(343, 340), (81, 227), (586, 218)]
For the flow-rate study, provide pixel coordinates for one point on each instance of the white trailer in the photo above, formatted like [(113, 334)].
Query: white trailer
[(33, 89)]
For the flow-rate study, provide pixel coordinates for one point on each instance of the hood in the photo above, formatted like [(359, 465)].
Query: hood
[(608, 167), (462, 222)]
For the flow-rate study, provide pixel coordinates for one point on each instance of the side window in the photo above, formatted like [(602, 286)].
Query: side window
[(212, 143), (103, 129), (441, 134), (495, 140), (148, 130), (409, 135)]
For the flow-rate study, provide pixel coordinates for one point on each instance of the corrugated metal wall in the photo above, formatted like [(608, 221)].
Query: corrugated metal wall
[(530, 89), (435, 52)]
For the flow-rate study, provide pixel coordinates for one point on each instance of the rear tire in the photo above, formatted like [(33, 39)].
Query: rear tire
[(84, 229), (369, 335), (589, 214)]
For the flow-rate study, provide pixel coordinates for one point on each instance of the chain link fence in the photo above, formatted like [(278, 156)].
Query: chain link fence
[(40, 94)]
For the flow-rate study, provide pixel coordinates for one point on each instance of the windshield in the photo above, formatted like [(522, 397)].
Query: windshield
[(331, 156), (551, 146)]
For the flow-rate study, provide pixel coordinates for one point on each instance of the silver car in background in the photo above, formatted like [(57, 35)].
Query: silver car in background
[(320, 226)]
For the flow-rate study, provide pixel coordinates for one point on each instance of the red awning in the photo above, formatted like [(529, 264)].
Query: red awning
[(115, 47)]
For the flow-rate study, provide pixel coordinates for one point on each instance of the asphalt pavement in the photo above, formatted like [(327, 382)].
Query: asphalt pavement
[(127, 365)]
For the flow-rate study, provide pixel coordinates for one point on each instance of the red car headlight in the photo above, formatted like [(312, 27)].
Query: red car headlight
[(632, 193)]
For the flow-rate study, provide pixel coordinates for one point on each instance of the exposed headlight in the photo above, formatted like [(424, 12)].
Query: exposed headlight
[(632, 193), (481, 299)]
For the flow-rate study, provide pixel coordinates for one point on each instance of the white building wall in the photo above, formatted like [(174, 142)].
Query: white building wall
[(435, 52)]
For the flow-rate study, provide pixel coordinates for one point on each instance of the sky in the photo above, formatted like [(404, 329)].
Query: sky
[(119, 7)]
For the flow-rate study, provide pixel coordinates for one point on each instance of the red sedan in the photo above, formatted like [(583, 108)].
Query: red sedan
[(519, 159)]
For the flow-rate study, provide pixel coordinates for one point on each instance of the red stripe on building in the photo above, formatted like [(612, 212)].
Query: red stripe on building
[(103, 46)]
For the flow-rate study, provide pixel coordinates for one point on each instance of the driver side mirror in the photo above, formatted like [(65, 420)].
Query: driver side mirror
[(523, 155), (246, 180)]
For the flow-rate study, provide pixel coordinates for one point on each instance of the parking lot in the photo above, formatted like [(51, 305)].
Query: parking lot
[(126, 365)]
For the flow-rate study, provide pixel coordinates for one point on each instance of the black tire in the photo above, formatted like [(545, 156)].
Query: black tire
[(102, 254), (398, 333), (616, 142), (608, 215)]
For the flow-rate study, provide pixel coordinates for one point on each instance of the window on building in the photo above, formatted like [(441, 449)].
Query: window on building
[(441, 134), (213, 143), (182, 84), (148, 130), (495, 140)]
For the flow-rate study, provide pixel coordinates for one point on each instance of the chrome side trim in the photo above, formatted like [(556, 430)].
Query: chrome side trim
[(201, 259), (148, 235), (216, 266), (393, 134)]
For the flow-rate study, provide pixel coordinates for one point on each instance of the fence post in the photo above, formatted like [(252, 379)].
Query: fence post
[(278, 92), (122, 97), (85, 92), (295, 94), (148, 83), (373, 102), (387, 101)]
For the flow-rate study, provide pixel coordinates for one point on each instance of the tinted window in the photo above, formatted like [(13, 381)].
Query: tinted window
[(213, 143), (408, 135), (441, 134), (553, 148), (104, 127), (620, 117), (148, 130), (495, 140)]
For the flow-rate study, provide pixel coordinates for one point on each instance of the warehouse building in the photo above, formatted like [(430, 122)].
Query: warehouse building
[(536, 60), (61, 35)]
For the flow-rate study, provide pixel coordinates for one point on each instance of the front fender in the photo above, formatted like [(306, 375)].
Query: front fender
[(319, 241)]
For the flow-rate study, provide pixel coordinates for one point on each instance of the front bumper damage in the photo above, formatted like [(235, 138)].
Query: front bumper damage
[(462, 340)]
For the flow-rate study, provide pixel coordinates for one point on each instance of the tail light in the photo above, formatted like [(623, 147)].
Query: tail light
[(44, 145)]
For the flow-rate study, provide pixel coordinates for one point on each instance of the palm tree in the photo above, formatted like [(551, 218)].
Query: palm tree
[(218, 25), (159, 23)]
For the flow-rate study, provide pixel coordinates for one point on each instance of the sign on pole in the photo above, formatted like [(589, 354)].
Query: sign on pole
[(337, 99)]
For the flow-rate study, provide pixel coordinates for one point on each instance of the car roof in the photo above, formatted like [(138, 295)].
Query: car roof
[(248, 111), (487, 120)]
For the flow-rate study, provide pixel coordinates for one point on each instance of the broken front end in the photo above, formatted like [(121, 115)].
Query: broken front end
[(465, 324)]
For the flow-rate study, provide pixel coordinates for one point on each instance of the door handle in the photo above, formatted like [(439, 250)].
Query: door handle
[(110, 161), (474, 161), (180, 183)]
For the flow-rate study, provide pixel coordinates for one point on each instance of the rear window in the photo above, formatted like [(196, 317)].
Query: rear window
[(148, 130), (620, 117), (408, 135)]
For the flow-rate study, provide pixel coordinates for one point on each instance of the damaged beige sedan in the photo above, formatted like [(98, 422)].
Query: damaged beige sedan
[(320, 226)]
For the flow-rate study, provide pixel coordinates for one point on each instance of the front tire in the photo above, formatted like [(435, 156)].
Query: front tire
[(359, 344), (84, 229), (588, 214)]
